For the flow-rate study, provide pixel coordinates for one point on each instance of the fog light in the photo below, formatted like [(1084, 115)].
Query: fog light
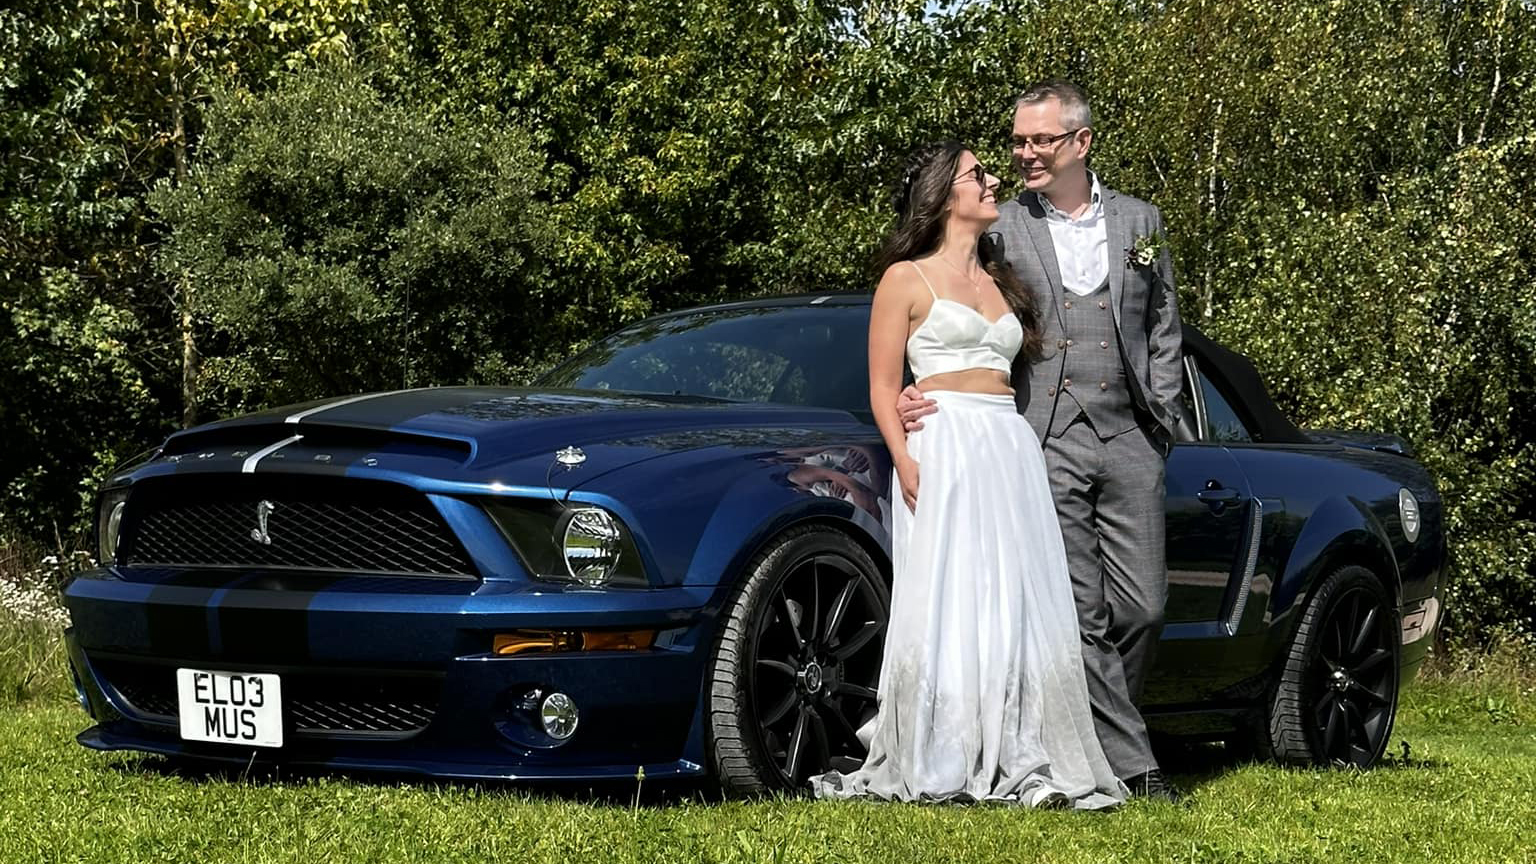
[(559, 715)]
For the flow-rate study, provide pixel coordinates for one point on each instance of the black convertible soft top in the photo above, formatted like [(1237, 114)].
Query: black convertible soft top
[(1232, 372), (1240, 381)]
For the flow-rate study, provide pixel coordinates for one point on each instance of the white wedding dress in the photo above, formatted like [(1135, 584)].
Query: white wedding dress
[(982, 689)]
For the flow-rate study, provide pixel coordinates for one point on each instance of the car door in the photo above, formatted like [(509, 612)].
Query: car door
[(1210, 519)]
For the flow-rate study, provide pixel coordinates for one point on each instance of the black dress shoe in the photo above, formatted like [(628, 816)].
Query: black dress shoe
[(1153, 785)]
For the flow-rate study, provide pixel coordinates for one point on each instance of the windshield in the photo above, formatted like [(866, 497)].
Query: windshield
[(797, 355)]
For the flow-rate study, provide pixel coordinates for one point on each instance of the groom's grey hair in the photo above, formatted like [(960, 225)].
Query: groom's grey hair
[(1074, 100)]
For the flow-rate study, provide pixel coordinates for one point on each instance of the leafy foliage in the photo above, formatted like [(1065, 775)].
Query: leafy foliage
[(98, 101), (484, 186), (341, 242)]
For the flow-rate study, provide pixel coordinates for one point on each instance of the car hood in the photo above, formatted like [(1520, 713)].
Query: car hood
[(498, 435)]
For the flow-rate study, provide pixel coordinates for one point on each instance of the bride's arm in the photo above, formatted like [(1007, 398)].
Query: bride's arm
[(890, 318)]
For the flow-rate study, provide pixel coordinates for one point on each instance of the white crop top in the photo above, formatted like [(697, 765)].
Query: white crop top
[(955, 337)]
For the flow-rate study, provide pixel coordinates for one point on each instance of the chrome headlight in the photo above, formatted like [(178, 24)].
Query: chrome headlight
[(570, 543), (592, 545), (109, 523)]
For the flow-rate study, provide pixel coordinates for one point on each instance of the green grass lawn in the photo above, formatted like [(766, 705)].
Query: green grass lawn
[(1466, 793)]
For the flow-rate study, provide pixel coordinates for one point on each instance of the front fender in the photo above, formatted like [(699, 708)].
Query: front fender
[(743, 538), (703, 515)]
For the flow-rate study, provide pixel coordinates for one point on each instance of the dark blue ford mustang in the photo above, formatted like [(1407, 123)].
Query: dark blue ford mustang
[(673, 556)]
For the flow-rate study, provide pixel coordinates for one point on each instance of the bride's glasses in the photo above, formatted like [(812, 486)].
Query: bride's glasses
[(976, 172)]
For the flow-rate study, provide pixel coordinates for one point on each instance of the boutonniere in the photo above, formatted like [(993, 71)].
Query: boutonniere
[(1145, 251)]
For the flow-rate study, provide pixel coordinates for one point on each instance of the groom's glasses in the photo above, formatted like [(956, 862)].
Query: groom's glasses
[(1042, 141)]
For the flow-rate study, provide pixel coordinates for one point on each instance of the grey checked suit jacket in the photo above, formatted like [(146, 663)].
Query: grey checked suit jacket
[(1143, 300)]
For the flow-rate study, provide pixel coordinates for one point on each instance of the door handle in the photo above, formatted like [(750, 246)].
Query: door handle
[(1217, 495)]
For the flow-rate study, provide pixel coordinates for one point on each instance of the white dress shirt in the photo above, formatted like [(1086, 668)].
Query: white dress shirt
[(1082, 244)]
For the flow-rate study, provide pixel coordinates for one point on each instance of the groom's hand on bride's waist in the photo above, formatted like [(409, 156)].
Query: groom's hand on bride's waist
[(913, 407)]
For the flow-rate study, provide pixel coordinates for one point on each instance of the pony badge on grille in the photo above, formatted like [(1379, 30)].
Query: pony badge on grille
[(259, 533)]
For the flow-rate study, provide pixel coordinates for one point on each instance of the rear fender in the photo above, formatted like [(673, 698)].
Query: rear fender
[(1340, 531)]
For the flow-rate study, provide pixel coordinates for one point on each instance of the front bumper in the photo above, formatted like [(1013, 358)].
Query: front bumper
[(399, 672)]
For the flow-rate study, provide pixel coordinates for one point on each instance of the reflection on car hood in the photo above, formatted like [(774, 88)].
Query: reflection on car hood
[(1381, 442), (504, 434)]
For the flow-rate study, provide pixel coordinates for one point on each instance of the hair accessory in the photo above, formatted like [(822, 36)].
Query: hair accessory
[(903, 195)]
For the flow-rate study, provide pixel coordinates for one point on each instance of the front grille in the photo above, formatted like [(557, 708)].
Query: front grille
[(365, 713), (146, 696), (315, 704), (346, 526)]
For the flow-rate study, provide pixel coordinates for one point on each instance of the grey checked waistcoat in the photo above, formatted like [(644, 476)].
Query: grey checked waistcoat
[(1093, 378)]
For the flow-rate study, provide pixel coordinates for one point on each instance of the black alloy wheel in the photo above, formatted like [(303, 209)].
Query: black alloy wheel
[(1336, 698), (797, 662)]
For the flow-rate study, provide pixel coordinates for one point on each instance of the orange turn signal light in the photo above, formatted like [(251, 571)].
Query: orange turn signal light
[(554, 641)]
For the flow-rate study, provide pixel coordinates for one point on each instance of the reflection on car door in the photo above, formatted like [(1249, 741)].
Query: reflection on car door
[(1209, 510), (1212, 516)]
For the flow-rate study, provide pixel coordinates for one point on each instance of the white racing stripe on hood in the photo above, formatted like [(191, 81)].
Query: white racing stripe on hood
[(249, 466), (294, 418)]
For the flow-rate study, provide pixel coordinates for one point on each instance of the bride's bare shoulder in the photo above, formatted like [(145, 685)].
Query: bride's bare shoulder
[(901, 281)]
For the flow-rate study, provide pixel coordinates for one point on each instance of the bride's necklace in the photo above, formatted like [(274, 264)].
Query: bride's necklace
[(976, 284)]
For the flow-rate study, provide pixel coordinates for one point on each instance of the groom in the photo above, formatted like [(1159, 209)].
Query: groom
[(1101, 398)]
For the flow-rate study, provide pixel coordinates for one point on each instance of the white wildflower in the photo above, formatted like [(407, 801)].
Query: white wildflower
[(33, 602)]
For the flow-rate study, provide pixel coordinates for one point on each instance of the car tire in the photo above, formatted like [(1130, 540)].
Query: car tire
[(795, 664), (1335, 697)]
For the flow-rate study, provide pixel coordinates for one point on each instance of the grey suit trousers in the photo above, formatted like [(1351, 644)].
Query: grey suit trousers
[(1109, 497)]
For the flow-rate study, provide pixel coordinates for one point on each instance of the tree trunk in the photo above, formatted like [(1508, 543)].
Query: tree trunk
[(1207, 286), (1498, 58), (183, 293)]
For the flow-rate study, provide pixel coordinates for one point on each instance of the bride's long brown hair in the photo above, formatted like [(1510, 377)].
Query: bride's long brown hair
[(921, 201)]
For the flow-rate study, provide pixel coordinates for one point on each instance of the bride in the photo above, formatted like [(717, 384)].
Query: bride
[(982, 694)]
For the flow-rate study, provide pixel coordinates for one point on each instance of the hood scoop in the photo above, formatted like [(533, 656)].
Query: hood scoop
[(320, 435)]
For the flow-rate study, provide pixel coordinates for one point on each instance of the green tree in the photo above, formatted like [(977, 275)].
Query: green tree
[(99, 99), (345, 242), (74, 254), (1348, 188)]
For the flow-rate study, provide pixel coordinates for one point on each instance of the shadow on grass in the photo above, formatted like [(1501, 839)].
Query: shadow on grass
[(1193, 765), (614, 793)]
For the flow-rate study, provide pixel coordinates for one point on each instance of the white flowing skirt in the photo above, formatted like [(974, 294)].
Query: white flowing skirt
[(982, 691)]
